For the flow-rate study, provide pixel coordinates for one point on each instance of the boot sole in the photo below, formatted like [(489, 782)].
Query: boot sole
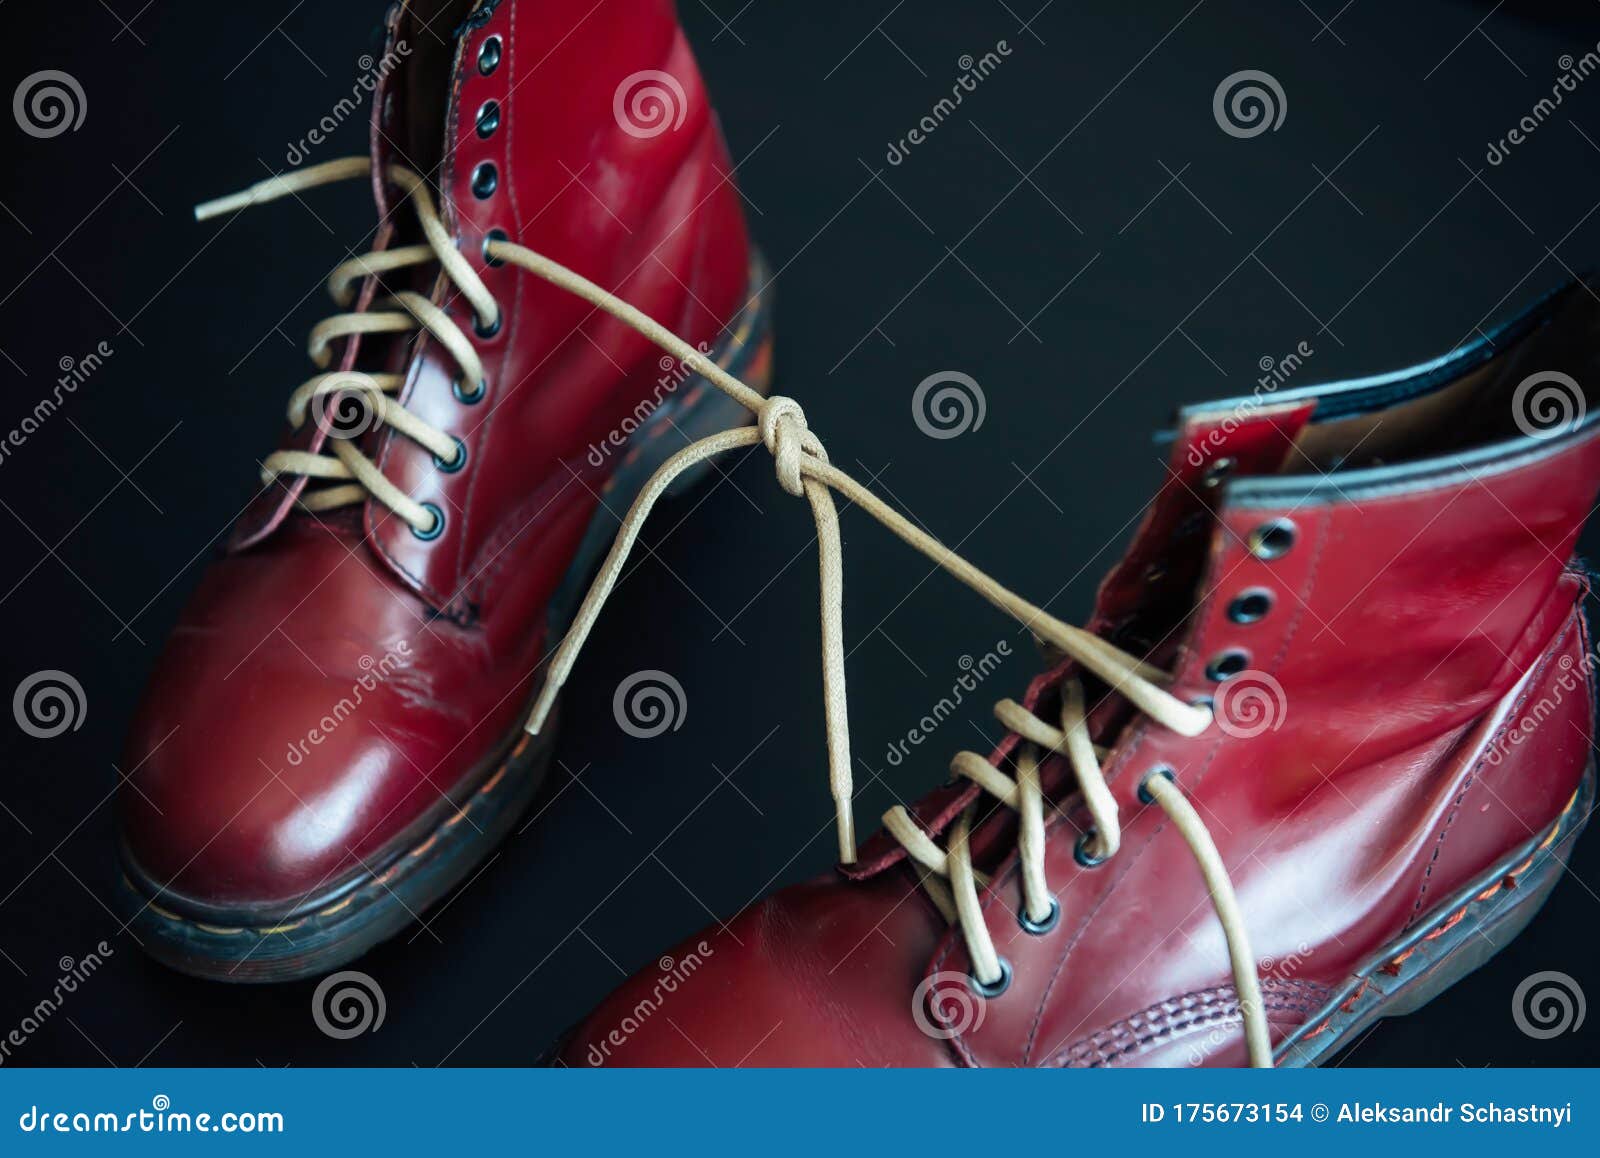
[(1470, 928), (317, 936)]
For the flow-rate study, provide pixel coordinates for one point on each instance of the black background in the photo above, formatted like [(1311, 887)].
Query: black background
[(1081, 238)]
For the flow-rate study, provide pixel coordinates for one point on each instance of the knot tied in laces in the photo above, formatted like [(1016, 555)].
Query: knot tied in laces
[(784, 432), (803, 470)]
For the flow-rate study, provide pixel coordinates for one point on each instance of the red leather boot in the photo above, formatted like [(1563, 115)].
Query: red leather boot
[(330, 741), (1336, 758)]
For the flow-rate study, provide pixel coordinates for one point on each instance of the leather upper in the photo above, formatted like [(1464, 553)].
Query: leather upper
[(1422, 613), (283, 628)]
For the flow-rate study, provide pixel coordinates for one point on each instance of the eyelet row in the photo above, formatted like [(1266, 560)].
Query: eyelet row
[(1271, 540), (484, 182)]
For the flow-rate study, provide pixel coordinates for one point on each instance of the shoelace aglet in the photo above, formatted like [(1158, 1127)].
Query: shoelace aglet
[(845, 822), (221, 206), (283, 184)]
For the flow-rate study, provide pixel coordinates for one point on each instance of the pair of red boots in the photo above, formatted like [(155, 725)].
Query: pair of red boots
[(1322, 746)]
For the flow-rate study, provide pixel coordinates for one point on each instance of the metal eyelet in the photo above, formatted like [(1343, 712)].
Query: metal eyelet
[(486, 332), (1227, 664), (485, 180), (438, 523), (1217, 472), (1081, 850), (1272, 540), (1144, 793), (451, 465), (469, 397), (489, 55), (1039, 928), (488, 118), (494, 235), (993, 988), (1250, 606)]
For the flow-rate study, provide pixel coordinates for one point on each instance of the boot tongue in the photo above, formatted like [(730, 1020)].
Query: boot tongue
[(1143, 604), (412, 99)]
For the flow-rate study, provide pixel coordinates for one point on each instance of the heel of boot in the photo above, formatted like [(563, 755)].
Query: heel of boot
[(689, 409)]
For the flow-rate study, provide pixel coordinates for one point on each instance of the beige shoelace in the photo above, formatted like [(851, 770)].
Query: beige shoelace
[(398, 313), (803, 469)]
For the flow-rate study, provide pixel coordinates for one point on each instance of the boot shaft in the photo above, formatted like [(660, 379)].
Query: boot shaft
[(588, 136)]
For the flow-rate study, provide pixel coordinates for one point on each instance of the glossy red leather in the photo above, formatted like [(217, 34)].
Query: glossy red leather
[(284, 627), (1427, 635)]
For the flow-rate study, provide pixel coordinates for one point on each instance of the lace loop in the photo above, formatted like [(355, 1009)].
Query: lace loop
[(405, 311), (785, 434), (950, 878)]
